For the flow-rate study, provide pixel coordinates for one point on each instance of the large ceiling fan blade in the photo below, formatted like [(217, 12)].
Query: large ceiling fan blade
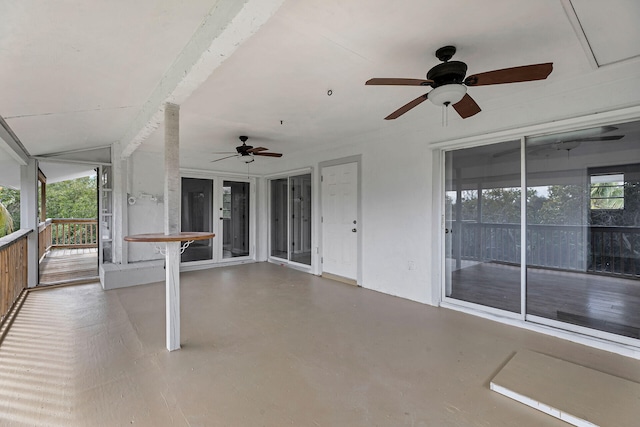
[(506, 152), (268, 154), (399, 82), (524, 73), (222, 158), (256, 149), (600, 138), (406, 107), (466, 107), (577, 135)]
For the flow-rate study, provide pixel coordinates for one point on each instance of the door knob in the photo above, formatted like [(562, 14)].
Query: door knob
[(354, 230)]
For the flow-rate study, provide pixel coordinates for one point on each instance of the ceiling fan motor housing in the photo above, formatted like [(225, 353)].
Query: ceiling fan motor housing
[(452, 72)]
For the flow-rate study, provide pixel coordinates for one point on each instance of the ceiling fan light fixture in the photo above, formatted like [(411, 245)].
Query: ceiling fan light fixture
[(447, 94), (247, 159)]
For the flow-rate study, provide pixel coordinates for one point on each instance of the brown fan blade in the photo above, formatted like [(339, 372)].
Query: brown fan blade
[(256, 149), (399, 82), (400, 111), (524, 73), (228, 157), (466, 107), (268, 154)]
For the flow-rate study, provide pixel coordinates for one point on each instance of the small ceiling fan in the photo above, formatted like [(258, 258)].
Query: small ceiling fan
[(564, 141), (246, 152), (450, 85)]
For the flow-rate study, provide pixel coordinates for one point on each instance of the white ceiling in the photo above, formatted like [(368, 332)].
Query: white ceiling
[(78, 74)]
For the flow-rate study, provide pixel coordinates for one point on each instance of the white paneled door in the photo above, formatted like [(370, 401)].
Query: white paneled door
[(340, 226)]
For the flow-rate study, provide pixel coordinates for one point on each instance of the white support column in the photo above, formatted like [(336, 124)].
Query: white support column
[(172, 222), (119, 226), (29, 216)]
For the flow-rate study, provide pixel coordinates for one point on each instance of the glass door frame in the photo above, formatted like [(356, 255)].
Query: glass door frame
[(592, 337), (443, 236), (288, 261), (217, 181)]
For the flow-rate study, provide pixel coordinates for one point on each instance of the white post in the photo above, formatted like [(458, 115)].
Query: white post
[(172, 222), (29, 216)]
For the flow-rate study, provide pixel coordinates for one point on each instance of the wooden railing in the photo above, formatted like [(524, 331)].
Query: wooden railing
[(74, 233), (13, 269), (597, 249), (44, 238)]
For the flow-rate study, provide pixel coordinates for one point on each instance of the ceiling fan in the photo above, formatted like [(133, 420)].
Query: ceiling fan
[(564, 141), (247, 152), (450, 85)]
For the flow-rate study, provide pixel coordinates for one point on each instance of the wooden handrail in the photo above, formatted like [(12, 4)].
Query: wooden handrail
[(73, 221), (74, 233)]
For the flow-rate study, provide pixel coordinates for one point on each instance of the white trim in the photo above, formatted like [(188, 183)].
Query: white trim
[(205, 173), (565, 125), (10, 142), (78, 162), (473, 308), (523, 228), (549, 410), (207, 264), (290, 264), (582, 330), (286, 174), (77, 150), (632, 351)]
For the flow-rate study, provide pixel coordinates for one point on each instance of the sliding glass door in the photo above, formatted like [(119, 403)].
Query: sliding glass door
[(290, 218), (582, 229), (235, 219), (196, 215), (221, 207), (482, 220)]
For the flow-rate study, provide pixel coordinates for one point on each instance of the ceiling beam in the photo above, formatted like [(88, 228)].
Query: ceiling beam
[(10, 142), (225, 28)]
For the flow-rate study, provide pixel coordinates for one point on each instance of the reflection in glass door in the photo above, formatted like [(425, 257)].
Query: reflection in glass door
[(196, 215), (482, 226), (582, 241), (279, 218), (235, 219), (291, 218), (583, 228)]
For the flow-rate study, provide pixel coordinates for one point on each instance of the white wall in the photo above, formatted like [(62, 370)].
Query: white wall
[(400, 254), (146, 215)]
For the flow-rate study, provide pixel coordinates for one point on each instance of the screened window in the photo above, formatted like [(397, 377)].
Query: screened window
[(607, 191)]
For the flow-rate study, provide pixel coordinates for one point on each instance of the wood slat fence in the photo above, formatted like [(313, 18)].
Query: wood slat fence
[(13, 269), (613, 251)]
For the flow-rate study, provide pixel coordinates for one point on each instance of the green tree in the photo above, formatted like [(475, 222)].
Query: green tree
[(565, 205), (607, 195), (76, 198), (11, 200), (6, 222), (501, 205)]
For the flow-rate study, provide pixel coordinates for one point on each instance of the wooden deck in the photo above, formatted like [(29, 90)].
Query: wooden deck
[(599, 302), (69, 266)]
